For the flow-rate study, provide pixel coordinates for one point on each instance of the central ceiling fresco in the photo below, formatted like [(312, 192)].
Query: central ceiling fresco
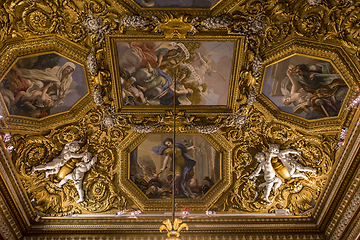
[(130, 110), (201, 71)]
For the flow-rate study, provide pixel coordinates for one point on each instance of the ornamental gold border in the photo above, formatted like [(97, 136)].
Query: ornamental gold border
[(233, 91), (332, 53), (220, 7), (163, 205), (33, 47)]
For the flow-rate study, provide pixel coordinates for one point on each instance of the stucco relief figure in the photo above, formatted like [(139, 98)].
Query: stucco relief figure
[(66, 154), (295, 169), (77, 175), (271, 180), (292, 164)]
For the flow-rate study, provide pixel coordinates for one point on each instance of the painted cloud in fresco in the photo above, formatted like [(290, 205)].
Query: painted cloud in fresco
[(42, 85), (306, 87)]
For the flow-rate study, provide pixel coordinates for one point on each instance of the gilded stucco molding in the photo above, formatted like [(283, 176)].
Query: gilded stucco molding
[(14, 187), (255, 137), (193, 237), (5, 230), (346, 217), (345, 160), (353, 231), (346, 210), (9, 227)]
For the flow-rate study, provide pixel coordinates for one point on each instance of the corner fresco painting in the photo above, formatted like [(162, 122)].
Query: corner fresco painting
[(197, 72), (304, 86), (42, 85), (181, 3), (197, 166)]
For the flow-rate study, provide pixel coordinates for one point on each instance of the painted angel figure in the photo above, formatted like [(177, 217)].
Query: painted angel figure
[(271, 180), (77, 175), (66, 154), (297, 95), (292, 164), (198, 72)]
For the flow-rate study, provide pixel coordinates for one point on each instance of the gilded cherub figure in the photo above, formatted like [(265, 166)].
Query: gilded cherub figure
[(66, 154), (271, 180), (77, 175)]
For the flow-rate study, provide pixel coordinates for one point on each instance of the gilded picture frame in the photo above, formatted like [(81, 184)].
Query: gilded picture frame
[(232, 91)]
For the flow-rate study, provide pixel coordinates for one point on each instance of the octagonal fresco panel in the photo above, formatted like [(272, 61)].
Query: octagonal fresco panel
[(200, 72), (305, 86), (42, 85), (197, 166), (181, 3)]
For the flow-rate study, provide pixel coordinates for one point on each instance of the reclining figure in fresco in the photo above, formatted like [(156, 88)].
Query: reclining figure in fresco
[(66, 154), (292, 164), (271, 180), (77, 175)]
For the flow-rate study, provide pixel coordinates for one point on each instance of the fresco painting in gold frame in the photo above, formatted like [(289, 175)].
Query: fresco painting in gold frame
[(197, 166), (42, 85), (149, 70), (305, 86)]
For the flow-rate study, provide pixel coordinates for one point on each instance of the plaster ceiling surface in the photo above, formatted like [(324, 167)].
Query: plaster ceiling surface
[(257, 102)]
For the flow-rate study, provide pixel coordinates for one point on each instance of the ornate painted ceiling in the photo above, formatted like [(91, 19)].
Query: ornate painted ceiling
[(256, 102)]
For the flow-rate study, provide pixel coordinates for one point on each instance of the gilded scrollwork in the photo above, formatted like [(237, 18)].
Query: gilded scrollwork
[(56, 197), (310, 22), (344, 19), (297, 190)]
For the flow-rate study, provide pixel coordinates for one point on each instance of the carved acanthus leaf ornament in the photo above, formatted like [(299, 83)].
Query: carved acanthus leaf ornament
[(297, 194), (102, 195)]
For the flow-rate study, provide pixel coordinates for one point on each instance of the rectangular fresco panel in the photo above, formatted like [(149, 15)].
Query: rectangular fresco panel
[(42, 85), (198, 72), (304, 86), (197, 166)]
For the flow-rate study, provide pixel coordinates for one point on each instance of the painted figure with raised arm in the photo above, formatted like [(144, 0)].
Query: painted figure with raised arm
[(297, 95), (66, 154), (183, 162), (292, 164), (271, 180), (77, 175)]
